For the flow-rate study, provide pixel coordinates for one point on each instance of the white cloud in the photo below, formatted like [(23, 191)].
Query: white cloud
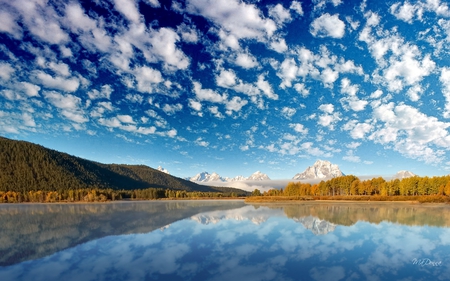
[(328, 77), (301, 89), (57, 82), (327, 108), (299, 128), (208, 94), (69, 105), (125, 119), (236, 18), (199, 141), (445, 80), (197, 106), (91, 35), (30, 90), (41, 20), (153, 3), (297, 7), (329, 120), (235, 104), (9, 24), (147, 78), (411, 131), (188, 33), (171, 109), (6, 70), (407, 69), (265, 87), (377, 94), (129, 9), (288, 112), (164, 48), (357, 130), (278, 45), (328, 26), (288, 71), (246, 61), (280, 14), (104, 93), (414, 92), (226, 78), (404, 12)]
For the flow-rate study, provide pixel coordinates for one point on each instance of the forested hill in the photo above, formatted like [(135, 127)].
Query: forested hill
[(25, 166)]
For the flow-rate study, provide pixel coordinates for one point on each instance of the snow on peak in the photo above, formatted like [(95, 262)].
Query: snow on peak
[(206, 177), (258, 176), (403, 174), (320, 170)]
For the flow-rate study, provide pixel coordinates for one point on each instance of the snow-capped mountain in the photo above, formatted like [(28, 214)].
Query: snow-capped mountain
[(236, 178), (403, 174), (320, 170), (161, 169), (207, 177), (258, 176)]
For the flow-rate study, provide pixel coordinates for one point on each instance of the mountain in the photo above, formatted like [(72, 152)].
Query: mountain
[(236, 178), (320, 170), (161, 169), (25, 166), (403, 174), (258, 176), (214, 177), (206, 177)]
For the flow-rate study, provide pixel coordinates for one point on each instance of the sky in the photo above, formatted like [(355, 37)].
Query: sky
[(231, 86)]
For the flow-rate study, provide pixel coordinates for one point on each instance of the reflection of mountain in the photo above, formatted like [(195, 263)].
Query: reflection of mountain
[(316, 225), (257, 216), (34, 231)]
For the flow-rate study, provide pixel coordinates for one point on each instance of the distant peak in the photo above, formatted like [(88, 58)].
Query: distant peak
[(320, 170)]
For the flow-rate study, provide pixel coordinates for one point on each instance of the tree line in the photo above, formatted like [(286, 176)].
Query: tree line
[(352, 185), (104, 195)]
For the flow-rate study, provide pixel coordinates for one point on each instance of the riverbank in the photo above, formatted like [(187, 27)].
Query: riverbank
[(352, 199)]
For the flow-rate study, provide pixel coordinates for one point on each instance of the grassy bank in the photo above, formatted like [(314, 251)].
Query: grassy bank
[(356, 198)]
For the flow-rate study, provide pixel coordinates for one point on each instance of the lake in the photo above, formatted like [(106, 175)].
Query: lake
[(224, 240)]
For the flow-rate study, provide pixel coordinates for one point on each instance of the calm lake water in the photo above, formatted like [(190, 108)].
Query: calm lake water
[(224, 240)]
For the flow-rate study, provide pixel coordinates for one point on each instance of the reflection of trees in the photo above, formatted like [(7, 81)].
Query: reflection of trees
[(35, 231), (349, 214)]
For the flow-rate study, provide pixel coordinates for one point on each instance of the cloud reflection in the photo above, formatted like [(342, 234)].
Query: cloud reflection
[(250, 243)]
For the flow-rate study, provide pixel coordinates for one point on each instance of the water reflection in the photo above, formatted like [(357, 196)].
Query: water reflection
[(274, 242)]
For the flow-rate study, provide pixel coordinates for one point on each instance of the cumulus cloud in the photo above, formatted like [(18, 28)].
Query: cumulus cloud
[(328, 26), (246, 61), (9, 24), (236, 18), (147, 78), (299, 128), (6, 71), (56, 82), (412, 132), (280, 14), (297, 7), (104, 93), (68, 105), (129, 9)]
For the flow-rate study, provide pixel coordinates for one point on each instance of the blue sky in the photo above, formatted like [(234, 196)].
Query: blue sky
[(231, 86)]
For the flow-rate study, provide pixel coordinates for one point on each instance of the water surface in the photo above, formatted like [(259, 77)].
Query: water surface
[(224, 240)]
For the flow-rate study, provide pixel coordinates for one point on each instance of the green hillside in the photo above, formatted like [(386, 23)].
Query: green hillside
[(25, 166)]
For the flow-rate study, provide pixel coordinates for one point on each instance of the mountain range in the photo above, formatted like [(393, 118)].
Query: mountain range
[(214, 177), (25, 166), (321, 169)]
